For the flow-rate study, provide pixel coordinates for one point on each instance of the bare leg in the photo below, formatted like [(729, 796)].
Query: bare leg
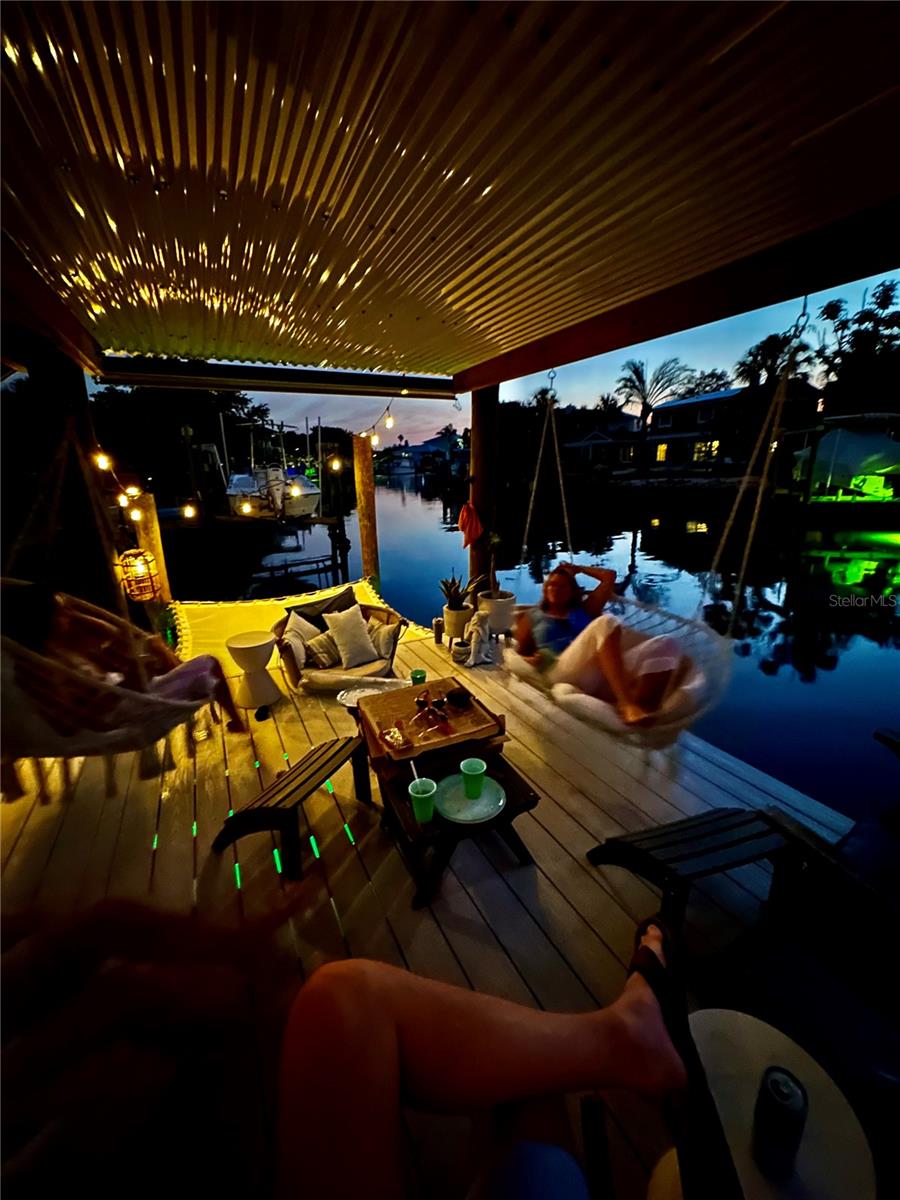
[(364, 1038), (222, 695), (637, 696)]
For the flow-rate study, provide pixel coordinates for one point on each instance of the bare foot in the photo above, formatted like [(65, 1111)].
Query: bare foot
[(650, 1063), (632, 714)]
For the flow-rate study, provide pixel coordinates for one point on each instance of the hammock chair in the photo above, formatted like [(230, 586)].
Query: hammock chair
[(709, 652), (51, 709)]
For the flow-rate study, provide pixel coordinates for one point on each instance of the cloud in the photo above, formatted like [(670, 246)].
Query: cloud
[(415, 419)]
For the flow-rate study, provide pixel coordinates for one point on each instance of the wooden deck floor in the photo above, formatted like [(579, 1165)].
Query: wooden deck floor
[(556, 935)]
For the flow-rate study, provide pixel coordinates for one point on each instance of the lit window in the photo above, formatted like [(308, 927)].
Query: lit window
[(697, 527), (661, 450), (705, 451)]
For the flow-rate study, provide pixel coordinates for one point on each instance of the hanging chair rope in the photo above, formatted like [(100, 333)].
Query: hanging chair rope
[(549, 420)]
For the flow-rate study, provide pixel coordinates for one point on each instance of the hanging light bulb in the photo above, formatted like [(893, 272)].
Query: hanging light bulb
[(123, 500), (136, 515), (189, 512), (336, 464), (375, 439), (389, 421), (132, 491), (103, 461)]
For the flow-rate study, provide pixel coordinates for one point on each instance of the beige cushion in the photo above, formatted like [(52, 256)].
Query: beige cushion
[(293, 643), (384, 637), (322, 651), (349, 631), (336, 680), (297, 624)]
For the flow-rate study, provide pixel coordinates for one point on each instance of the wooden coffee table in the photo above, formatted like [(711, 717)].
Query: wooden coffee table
[(427, 849)]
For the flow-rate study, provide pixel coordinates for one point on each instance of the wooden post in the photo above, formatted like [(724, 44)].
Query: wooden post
[(364, 475), (482, 447), (150, 538)]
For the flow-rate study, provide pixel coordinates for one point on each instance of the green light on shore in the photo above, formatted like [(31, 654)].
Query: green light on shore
[(329, 786), (155, 840), (277, 857), (315, 847), (237, 876), (349, 834)]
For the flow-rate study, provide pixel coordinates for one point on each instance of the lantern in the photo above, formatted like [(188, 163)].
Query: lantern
[(140, 578)]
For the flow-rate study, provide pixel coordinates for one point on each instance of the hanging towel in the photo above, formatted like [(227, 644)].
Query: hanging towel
[(469, 524)]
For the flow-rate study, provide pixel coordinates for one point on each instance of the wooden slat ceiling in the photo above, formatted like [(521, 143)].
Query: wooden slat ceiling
[(419, 187)]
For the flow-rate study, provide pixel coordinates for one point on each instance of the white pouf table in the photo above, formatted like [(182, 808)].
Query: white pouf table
[(251, 652)]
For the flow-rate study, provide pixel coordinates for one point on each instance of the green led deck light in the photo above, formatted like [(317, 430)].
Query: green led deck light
[(315, 846), (155, 840), (277, 858), (231, 812), (256, 764), (329, 786), (194, 829), (349, 834), (237, 876)]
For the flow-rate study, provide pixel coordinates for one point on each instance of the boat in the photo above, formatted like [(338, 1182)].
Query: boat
[(268, 492)]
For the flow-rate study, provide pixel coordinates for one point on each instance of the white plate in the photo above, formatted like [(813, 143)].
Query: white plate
[(350, 697), (453, 804)]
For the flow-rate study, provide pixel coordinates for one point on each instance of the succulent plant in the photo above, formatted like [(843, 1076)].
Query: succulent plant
[(457, 596)]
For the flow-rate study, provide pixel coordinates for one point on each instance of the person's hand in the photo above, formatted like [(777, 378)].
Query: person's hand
[(569, 567)]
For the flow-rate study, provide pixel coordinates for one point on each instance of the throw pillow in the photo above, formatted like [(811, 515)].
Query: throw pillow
[(384, 637), (349, 631), (297, 646), (299, 625), (313, 610), (322, 651)]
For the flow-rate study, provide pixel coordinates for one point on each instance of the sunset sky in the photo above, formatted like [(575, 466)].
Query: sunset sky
[(720, 344)]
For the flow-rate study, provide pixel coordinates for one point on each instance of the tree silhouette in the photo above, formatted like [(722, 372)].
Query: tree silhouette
[(701, 383), (763, 363), (636, 386), (861, 359)]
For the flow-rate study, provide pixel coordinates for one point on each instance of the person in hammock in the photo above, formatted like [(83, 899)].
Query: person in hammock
[(41, 620), (569, 639)]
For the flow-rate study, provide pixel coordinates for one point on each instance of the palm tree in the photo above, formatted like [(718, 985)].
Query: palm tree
[(636, 386), (764, 362)]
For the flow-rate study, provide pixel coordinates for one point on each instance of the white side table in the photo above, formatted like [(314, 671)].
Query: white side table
[(252, 651), (834, 1161)]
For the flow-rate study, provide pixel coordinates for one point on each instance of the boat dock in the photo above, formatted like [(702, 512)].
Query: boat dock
[(556, 935)]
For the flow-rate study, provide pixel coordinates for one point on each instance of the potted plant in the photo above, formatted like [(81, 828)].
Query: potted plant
[(497, 603), (457, 609)]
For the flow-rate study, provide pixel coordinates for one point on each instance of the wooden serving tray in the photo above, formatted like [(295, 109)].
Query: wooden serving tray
[(467, 724)]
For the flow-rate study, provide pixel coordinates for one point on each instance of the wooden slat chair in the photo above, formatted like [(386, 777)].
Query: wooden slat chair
[(276, 807), (673, 856)]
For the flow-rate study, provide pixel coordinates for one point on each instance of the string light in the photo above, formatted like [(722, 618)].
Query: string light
[(389, 420), (246, 508), (189, 511), (132, 491), (295, 491), (375, 439), (123, 500), (336, 464), (136, 515), (103, 461)]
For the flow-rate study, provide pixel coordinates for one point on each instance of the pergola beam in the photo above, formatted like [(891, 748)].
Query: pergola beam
[(175, 373), (866, 243)]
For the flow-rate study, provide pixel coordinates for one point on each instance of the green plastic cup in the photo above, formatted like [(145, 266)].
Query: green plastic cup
[(421, 792), (473, 770), (417, 676)]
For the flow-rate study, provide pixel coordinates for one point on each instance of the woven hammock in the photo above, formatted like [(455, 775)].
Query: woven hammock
[(52, 710), (709, 652)]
